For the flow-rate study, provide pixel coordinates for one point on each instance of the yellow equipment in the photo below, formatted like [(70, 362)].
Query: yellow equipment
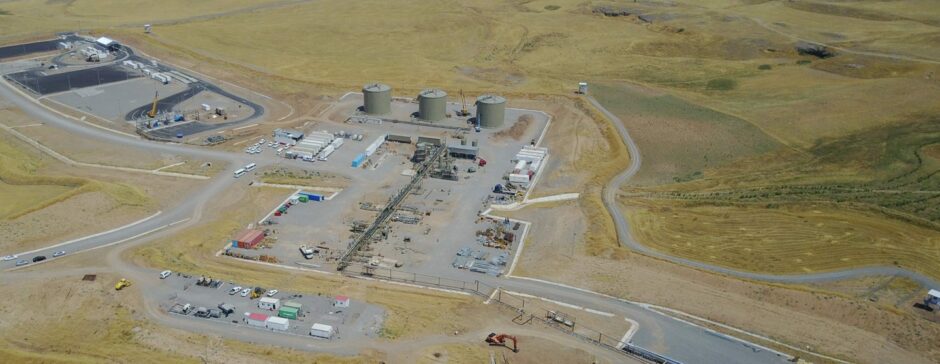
[(122, 284), (257, 292), (463, 105), (153, 109)]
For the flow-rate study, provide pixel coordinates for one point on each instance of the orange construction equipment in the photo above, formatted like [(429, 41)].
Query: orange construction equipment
[(500, 340)]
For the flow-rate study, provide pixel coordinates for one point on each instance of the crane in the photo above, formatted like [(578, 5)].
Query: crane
[(500, 340), (463, 105), (153, 109)]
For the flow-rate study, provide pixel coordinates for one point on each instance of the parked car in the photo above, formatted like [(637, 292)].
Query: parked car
[(9, 257), (39, 258), (234, 290), (245, 292), (21, 262), (58, 254), (271, 293), (165, 274)]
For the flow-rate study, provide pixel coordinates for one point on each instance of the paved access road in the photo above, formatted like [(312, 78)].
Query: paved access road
[(626, 239), (666, 335)]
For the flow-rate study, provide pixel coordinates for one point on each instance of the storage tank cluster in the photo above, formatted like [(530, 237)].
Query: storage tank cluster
[(378, 98), (491, 111), (432, 105)]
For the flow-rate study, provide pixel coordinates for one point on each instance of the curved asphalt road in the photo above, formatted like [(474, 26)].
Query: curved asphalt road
[(626, 239)]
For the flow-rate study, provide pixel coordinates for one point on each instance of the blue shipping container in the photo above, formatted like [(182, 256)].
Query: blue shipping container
[(234, 243), (358, 161), (312, 196)]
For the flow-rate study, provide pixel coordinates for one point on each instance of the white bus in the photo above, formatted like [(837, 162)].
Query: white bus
[(250, 167), (240, 172)]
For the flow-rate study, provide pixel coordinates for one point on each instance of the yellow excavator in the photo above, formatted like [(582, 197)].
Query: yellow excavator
[(153, 108), (123, 283)]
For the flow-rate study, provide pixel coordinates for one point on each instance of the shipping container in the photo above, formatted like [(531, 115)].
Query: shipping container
[(290, 313), (322, 331), (277, 323), (357, 162), (303, 198), (293, 304)]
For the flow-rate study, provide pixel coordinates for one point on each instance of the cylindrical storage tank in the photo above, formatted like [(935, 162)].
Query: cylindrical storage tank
[(491, 111), (378, 98), (432, 105)]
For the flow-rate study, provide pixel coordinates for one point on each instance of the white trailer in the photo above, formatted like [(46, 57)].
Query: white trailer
[(256, 319), (277, 323), (322, 331), (268, 303)]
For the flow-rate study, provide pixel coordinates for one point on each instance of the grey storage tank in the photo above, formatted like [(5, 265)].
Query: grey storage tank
[(491, 111), (432, 105), (378, 98)]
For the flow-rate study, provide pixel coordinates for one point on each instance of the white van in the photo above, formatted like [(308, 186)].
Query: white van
[(165, 274), (250, 166), (240, 172)]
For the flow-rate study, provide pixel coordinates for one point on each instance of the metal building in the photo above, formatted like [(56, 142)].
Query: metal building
[(491, 111), (432, 105), (378, 98)]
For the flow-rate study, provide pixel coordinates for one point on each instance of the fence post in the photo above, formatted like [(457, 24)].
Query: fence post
[(415, 277), (499, 295), (390, 273), (438, 280)]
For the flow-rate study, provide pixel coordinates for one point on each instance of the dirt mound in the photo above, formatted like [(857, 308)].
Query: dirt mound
[(517, 130)]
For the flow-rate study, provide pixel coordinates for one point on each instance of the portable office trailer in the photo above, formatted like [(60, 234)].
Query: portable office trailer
[(256, 319), (268, 303)]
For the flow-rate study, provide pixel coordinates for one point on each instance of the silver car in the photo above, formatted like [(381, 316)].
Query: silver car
[(21, 262), (58, 254)]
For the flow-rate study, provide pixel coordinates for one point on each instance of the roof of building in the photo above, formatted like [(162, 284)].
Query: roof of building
[(250, 236), (276, 319), (934, 293), (257, 316), (104, 41), (342, 298), (270, 299), (322, 327)]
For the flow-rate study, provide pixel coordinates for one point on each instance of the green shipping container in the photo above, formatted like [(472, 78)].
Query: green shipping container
[(304, 198), (293, 304), (288, 313)]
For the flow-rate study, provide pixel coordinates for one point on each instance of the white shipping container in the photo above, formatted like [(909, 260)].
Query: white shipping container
[(519, 178), (325, 153), (338, 142), (375, 145), (520, 165), (277, 323), (206, 107), (322, 331)]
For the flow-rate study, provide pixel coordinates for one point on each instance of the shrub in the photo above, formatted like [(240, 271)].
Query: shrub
[(764, 67), (552, 7), (721, 84)]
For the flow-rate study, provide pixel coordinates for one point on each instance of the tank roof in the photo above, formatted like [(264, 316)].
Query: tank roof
[(376, 87), (491, 99), (433, 93)]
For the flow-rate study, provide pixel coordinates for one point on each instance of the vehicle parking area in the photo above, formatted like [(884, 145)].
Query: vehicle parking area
[(205, 302), (437, 228)]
